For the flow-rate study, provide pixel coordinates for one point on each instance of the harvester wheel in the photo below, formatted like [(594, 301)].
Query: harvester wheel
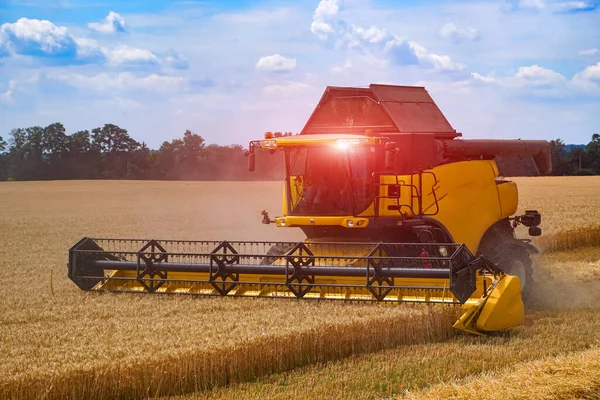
[(517, 262)]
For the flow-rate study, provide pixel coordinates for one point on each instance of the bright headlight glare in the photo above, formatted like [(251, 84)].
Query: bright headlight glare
[(350, 223), (268, 144), (443, 251), (282, 222), (345, 143)]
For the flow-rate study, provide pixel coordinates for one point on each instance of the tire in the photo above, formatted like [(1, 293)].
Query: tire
[(517, 262)]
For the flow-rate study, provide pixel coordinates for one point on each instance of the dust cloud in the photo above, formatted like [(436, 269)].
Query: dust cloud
[(561, 292)]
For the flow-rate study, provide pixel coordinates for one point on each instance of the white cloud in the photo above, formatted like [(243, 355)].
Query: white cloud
[(588, 52), (451, 31), (588, 80), (481, 78), (113, 23), (535, 75), (546, 82), (123, 54), (276, 63), (6, 96), (122, 81), (325, 11), (556, 6), (41, 38), (173, 59), (566, 6), (591, 73), (373, 46), (539, 4), (440, 62), (287, 89), (35, 37), (91, 51)]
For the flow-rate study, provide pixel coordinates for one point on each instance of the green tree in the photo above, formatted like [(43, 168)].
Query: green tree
[(560, 163), (116, 148), (592, 152), (54, 145), (83, 162), (112, 139), (3, 160), (26, 162)]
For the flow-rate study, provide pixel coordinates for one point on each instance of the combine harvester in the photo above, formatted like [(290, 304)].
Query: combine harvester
[(395, 208)]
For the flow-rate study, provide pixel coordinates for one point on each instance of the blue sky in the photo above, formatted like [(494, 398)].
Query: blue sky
[(230, 71)]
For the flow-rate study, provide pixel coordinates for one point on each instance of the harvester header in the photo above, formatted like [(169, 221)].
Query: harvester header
[(395, 206)]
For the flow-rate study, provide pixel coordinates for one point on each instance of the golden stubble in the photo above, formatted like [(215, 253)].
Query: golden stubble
[(71, 343), (57, 341)]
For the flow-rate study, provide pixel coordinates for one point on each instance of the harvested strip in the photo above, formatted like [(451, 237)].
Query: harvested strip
[(391, 373), (573, 376), (198, 369)]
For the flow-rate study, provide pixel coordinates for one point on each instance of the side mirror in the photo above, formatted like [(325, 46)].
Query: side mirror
[(251, 161), (390, 155)]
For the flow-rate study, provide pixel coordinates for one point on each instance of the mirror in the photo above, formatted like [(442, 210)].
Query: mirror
[(251, 162)]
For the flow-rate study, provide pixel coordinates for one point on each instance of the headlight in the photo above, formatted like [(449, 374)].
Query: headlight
[(268, 144), (350, 223), (443, 251)]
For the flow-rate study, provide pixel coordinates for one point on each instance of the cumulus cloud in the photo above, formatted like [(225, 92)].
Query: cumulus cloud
[(546, 82), (440, 62), (122, 81), (456, 34), (6, 96), (37, 38), (532, 4), (591, 73), (535, 75), (276, 63), (480, 78), (589, 79), (41, 38), (588, 52), (322, 17), (556, 6), (112, 23), (374, 46), (173, 59), (123, 54)]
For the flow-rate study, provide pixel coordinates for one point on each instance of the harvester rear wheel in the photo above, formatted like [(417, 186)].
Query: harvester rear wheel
[(517, 262)]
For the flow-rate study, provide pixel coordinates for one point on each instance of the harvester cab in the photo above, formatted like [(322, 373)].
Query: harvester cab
[(395, 207)]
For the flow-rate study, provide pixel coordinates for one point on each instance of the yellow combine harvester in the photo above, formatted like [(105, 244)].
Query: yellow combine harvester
[(395, 208)]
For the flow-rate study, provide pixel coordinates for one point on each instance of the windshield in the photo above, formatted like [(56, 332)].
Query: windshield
[(330, 181)]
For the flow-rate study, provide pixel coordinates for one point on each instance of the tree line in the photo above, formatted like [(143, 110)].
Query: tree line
[(568, 159), (109, 152)]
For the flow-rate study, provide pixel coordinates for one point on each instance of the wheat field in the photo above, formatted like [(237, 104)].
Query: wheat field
[(59, 342)]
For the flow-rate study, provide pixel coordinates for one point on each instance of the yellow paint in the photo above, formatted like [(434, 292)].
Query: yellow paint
[(296, 221), (501, 309), (469, 200), (316, 140)]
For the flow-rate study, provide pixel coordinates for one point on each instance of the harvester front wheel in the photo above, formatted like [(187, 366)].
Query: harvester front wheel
[(517, 262)]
